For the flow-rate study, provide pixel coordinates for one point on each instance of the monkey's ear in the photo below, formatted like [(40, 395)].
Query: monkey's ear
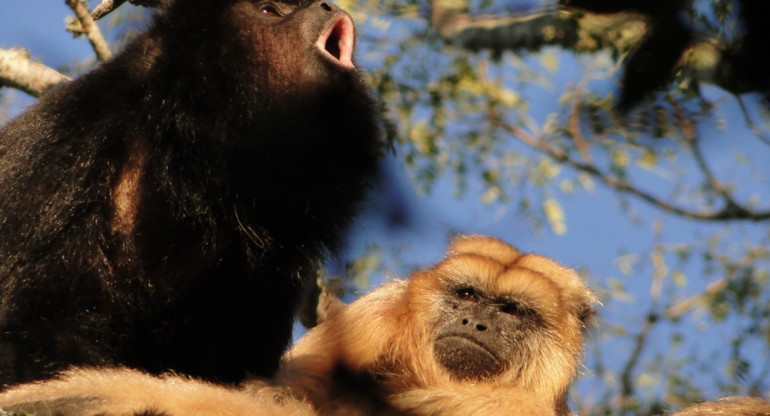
[(578, 297), (583, 305), (586, 313), (482, 245)]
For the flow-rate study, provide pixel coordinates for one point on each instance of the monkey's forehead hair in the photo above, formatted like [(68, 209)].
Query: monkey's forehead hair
[(554, 291), (566, 279), (485, 246), (492, 279)]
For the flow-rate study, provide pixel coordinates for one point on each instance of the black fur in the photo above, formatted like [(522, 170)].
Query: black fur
[(254, 151)]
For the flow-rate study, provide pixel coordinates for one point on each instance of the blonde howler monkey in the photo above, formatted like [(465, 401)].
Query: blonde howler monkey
[(487, 331)]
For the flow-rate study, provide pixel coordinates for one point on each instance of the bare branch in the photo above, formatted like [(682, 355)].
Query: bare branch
[(634, 32), (750, 122), (105, 7), (627, 390), (500, 33), (18, 70), (688, 132), (108, 6), (716, 286), (731, 210), (90, 29), (575, 128), (566, 28)]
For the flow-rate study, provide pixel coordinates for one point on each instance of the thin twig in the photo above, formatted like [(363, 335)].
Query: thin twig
[(750, 123), (91, 30), (685, 126), (575, 128), (659, 273), (729, 212), (105, 7), (626, 384), (714, 287)]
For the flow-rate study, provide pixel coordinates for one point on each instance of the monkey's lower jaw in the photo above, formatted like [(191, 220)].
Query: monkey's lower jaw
[(466, 358)]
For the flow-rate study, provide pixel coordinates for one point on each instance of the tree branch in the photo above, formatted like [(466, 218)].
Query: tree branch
[(18, 70), (626, 383), (89, 27), (716, 286), (566, 28), (108, 6), (656, 38), (731, 210), (750, 122), (105, 7)]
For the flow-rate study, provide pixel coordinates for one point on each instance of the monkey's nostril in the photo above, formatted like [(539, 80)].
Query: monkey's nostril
[(481, 327), (326, 6), (465, 322)]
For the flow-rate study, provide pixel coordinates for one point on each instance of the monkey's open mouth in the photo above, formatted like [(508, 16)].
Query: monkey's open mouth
[(338, 40)]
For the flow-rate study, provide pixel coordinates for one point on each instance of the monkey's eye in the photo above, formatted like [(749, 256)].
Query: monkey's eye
[(467, 294), (269, 10), (517, 309)]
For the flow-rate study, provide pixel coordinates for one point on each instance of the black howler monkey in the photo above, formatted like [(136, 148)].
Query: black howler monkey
[(487, 331), (162, 211)]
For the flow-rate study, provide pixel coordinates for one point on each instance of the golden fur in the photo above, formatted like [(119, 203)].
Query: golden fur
[(124, 392), (729, 406), (376, 356), (388, 334)]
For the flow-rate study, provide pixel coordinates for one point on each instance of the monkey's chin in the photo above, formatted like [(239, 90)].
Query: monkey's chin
[(466, 358)]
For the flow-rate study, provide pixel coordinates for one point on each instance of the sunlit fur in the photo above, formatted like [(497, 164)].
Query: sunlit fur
[(729, 406), (387, 337), (376, 356), (128, 392)]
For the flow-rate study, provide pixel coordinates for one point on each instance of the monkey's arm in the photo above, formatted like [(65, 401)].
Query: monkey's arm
[(123, 392), (471, 400)]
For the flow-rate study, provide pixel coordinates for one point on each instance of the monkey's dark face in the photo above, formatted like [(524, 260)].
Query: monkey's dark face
[(258, 65), (491, 321), (297, 58), (290, 45), (273, 84), (478, 337)]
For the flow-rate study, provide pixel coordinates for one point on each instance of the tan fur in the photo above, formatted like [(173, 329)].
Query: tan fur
[(375, 357), (118, 392), (729, 406), (126, 194), (388, 334)]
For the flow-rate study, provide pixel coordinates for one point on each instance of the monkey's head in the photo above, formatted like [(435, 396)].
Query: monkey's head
[(498, 315), (265, 92), (264, 83), (485, 314), (270, 46)]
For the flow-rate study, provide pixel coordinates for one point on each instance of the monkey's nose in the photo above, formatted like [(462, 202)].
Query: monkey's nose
[(475, 325)]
